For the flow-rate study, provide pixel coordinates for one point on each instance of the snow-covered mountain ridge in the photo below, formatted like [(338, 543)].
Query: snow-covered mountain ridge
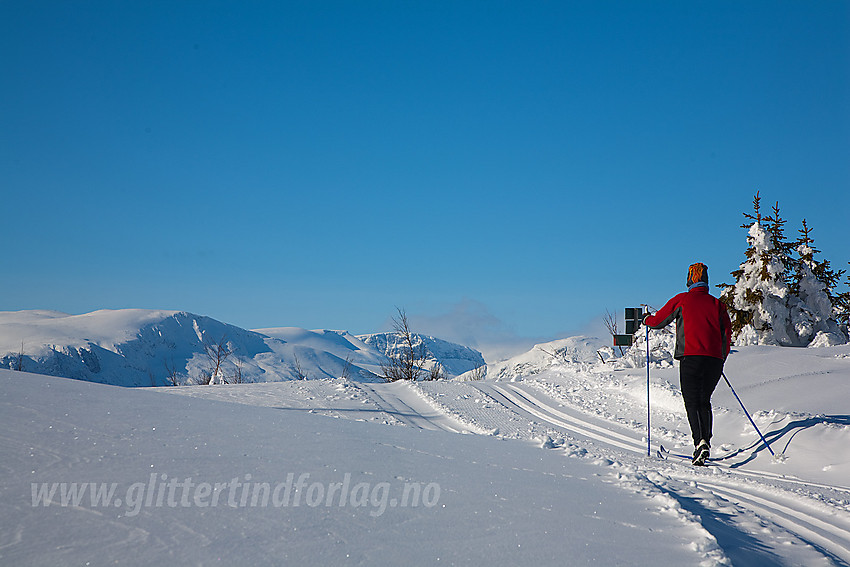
[(138, 347), (455, 359)]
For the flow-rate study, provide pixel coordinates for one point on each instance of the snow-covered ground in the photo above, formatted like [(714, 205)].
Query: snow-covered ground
[(546, 466)]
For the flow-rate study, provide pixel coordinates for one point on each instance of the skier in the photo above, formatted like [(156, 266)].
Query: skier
[(703, 339)]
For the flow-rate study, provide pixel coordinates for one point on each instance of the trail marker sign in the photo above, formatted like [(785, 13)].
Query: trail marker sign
[(634, 318)]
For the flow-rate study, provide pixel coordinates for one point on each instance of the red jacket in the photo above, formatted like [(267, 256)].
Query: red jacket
[(702, 324)]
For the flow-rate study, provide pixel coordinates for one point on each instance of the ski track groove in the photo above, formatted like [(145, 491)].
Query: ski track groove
[(821, 534), (827, 538), (528, 402), (828, 534), (393, 404), (611, 437), (762, 475)]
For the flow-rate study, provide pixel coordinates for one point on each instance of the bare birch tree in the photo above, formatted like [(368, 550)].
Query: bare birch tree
[(406, 357), (217, 353)]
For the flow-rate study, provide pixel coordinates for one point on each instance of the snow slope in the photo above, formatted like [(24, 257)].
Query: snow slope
[(754, 510), (488, 501), (136, 347), (798, 396), (546, 468), (574, 350)]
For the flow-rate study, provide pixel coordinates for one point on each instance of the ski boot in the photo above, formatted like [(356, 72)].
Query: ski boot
[(701, 453)]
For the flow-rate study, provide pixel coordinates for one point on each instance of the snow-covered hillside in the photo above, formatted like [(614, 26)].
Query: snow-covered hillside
[(543, 460), (574, 350), (549, 468), (135, 347)]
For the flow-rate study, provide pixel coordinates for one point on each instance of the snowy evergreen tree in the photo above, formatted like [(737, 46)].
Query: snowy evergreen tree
[(842, 308), (758, 301), (778, 299), (813, 286)]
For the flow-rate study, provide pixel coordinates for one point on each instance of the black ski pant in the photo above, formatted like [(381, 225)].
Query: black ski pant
[(698, 376)]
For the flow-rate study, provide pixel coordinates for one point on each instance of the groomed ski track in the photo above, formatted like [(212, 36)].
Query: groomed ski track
[(789, 508), (397, 401)]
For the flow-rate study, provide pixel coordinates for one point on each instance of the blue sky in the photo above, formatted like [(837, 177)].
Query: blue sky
[(498, 169)]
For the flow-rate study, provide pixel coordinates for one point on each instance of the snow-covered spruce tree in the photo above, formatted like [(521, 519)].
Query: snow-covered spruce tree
[(842, 308), (778, 299), (759, 299), (813, 285)]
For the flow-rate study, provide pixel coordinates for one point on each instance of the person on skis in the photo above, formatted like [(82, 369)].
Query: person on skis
[(703, 340)]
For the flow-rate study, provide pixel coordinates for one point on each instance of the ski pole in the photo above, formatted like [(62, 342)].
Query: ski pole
[(748, 415), (648, 449)]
